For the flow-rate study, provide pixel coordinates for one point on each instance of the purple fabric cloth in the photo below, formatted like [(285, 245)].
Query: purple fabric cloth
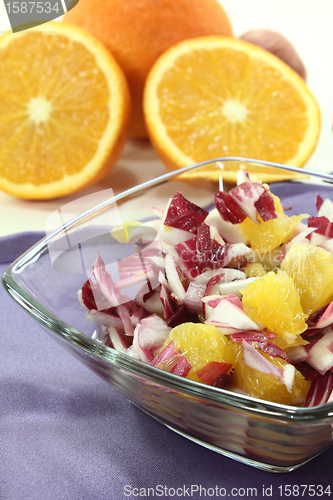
[(66, 434)]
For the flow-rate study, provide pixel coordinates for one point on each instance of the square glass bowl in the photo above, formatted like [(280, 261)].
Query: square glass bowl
[(45, 282)]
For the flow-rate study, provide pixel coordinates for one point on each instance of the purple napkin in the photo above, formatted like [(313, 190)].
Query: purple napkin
[(67, 434)]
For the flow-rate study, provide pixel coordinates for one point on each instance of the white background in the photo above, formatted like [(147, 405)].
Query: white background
[(308, 26)]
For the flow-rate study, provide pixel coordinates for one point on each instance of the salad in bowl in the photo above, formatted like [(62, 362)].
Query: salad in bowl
[(238, 297), (213, 314)]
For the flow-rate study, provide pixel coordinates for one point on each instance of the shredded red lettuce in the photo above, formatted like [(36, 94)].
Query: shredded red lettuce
[(252, 336), (183, 214), (172, 361), (248, 199), (322, 224), (188, 274), (210, 253), (319, 202), (210, 373), (173, 313), (320, 390), (265, 206), (271, 349), (228, 208)]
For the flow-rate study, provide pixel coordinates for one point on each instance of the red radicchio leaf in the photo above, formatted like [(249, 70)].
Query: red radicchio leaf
[(209, 252), (183, 214), (252, 336), (182, 315), (318, 221), (316, 315), (323, 225), (245, 200), (222, 381), (209, 373), (148, 295), (228, 208), (321, 318), (106, 285), (312, 339), (265, 206), (118, 340), (90, 290), (213, 281), (173, 313), (169, 305), (88, 296), (125, 317), (168, 352), (306, 370), (319, 202), (213, 301), (310, 333), (272, 349), (182, 367), (204, 242), (320, 390), (187, 251), (172, 361)]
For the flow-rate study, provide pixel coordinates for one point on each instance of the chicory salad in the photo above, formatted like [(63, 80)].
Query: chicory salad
[(239, 297)]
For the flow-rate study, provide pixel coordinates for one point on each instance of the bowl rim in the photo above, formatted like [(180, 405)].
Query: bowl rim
[(213, 395)]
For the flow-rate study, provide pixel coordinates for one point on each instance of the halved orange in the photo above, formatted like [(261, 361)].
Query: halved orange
[(64, 111), (217, 96)]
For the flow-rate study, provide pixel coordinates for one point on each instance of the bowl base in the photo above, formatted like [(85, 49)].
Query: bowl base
[(234, 456)]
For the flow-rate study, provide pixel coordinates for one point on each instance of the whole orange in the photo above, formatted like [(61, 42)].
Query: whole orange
[(137, 32)]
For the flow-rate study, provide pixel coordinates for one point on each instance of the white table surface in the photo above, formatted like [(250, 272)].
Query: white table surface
[(307, 25)]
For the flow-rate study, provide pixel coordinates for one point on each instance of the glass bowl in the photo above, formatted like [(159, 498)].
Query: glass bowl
[(45, 282)]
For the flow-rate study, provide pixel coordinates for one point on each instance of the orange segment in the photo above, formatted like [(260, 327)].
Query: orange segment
[(266, 386), (273, 301), (254, 270), (269, 235), (311, 268), (64, 111), (201, 344), (218, 96)]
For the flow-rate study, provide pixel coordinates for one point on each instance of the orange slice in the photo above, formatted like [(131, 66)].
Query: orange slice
[(64, 111), (217, 96)]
